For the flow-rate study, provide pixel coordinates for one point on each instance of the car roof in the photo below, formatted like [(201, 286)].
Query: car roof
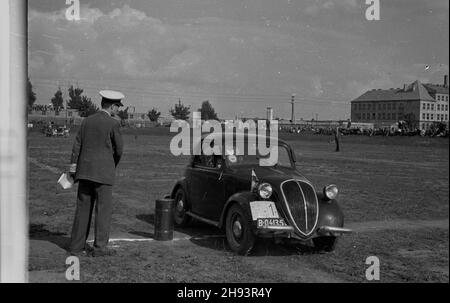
[(246, 136)]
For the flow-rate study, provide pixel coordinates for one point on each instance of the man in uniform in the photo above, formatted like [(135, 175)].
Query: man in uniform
[(95, 155)]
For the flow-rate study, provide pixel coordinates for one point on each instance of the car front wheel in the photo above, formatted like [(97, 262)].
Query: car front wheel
[(180, 218), (327, 243), (240, 237)]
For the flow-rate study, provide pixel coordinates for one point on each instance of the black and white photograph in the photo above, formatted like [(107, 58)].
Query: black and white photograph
[(220, 142)]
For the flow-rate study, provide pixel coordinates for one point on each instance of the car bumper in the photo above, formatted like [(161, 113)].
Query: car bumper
[(332, 231)]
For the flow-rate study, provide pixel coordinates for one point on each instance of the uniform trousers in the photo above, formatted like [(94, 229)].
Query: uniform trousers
[(90, 195)]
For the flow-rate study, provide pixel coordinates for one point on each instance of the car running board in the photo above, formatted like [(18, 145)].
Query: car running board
[(207, 221)]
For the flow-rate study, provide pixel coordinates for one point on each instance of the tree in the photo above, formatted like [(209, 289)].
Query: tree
[(31, 94), (75, 97), (207, 111), (58, 100), (180, 111), (87, 108), (153, 115)]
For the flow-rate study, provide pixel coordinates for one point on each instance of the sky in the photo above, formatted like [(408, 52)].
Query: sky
[(241, 55)]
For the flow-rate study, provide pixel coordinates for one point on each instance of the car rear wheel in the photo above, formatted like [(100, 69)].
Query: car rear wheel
[(327, 243), (180, 218), (240, 237)]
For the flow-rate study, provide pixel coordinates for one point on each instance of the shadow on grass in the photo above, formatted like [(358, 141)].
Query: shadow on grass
[(196, 229), (39, 232), (207, 236)]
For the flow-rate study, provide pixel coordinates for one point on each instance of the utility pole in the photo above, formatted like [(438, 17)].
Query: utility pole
[(292, 110)]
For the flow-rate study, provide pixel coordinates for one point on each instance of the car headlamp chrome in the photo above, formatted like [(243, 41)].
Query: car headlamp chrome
[(265, 190), (330, 191)]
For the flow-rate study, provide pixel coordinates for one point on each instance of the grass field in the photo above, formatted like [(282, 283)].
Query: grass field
[(380, 179)]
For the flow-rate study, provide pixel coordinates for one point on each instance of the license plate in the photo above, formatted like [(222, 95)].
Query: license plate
[(270, 222), (263, 209)]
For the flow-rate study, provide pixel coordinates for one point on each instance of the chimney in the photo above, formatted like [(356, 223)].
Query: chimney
[(445, 80), (404, 87)]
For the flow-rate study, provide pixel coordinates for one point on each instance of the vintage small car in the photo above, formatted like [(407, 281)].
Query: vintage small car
[(249, 201)]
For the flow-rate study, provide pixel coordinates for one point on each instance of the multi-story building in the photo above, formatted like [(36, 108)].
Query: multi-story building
[(420, 104)]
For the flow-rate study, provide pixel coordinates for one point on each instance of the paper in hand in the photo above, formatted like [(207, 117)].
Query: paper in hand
[(65, 181)]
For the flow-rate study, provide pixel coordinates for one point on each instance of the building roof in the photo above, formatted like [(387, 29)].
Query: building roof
[(436, 89), (414, 91)]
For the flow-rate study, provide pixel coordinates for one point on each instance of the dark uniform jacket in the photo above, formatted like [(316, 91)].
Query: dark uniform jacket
[(97, 148)]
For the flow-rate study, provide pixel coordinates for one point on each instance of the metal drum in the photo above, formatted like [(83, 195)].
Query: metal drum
[(164, 219)]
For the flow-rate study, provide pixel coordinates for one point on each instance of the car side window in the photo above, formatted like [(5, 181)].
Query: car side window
[(212, 161)]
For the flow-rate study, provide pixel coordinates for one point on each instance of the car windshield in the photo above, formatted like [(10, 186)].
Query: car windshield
[(235, 158)]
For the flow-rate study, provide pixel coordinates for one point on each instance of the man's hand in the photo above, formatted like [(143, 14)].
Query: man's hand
[(72, 170)]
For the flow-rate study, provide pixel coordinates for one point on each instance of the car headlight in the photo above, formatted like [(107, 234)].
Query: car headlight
[(265, 190), (330, 191)]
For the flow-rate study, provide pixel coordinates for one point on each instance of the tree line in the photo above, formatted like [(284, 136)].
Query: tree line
[(86, 107)]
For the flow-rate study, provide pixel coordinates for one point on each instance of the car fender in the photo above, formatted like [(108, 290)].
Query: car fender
[(180, 184), (241, 198), (330, 214)]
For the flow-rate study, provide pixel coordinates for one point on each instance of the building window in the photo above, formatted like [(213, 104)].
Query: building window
[(428, 106), (389, 106), (423, 116), (379, 116), (437, 117), (389, 116), (384, 116), (368, 106), (428, 116), (432, 106), (394, 106), (131, 116), (384, 105), (438, 98), (446, 117), (438, 107), (373, 116), (446, 108), (423, 105), (432, 116)]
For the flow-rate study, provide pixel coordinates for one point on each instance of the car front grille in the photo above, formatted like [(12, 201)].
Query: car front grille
[(302, 205)]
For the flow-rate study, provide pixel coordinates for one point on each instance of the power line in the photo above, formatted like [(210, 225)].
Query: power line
[(255, 97), (231, 100), (250, 96)]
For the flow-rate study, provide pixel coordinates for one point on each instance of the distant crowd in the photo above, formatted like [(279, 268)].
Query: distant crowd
[(437, 130)]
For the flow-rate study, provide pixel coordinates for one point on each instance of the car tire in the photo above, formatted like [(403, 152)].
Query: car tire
[(240, 237), (327, 243), (180, 218)]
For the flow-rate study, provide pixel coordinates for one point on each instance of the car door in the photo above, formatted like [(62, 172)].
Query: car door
[(206, 188)]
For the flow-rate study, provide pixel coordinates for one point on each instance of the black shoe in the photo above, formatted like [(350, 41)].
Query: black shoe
[(88, 248), (103, 252)]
